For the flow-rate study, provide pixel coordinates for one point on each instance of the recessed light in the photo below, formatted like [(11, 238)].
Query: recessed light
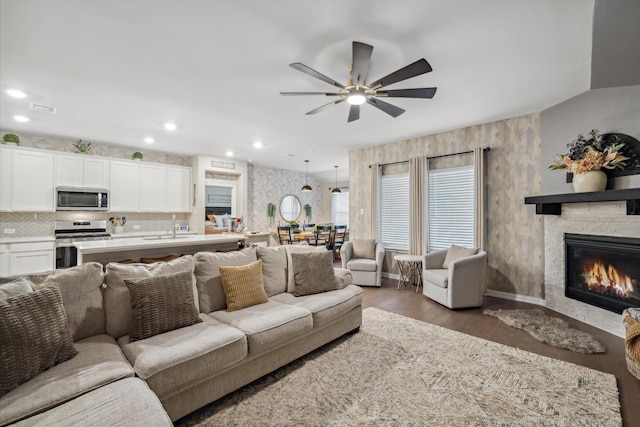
[(149, 140), (229, 153), (170, 126), (21, 119), (16, 93), (257, 144)]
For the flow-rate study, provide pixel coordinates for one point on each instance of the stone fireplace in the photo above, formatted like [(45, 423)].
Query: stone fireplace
[(600, 219), (603, 271)]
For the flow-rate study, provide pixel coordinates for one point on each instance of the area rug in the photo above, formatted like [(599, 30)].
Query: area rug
[(548, 329), (400, 371)]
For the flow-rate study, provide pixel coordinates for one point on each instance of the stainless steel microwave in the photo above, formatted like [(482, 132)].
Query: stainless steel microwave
[(82, 199)]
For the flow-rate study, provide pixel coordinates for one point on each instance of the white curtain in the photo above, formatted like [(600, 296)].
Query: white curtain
[(480, 211), (416, 205), (375, 191)]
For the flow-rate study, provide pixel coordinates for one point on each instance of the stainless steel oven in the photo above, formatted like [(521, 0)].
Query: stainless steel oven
[(69, 232)]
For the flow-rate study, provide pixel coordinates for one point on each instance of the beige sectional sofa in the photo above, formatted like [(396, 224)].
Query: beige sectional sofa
[(164, 377)]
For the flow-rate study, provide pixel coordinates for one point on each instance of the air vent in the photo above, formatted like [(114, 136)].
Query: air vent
[(45, 108)]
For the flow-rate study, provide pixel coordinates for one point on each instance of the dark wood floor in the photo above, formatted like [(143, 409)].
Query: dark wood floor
[(471, 321)]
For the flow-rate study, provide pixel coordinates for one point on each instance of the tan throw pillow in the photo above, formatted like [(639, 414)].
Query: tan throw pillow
[(313, 273), (19, 286), (243, 286), (457, 252), (364, 248), (34, 336), (161, 304)]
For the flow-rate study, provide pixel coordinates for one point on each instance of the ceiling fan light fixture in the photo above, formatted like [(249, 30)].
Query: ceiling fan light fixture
[(356, 99), (306, 188)]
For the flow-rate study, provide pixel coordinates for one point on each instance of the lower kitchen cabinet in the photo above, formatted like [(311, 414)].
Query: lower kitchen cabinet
[(27, 258)]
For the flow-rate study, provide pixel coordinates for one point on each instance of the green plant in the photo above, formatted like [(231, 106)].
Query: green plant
[(307, 211), (137, 155), (271, 213), (11, 137), (82, 147)]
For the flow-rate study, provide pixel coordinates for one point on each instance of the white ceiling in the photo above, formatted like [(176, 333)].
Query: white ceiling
[(116, 70)]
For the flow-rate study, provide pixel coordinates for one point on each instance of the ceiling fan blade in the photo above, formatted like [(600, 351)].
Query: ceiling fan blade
[(425, 92), (354, 113), (308, 93), (421, 66), (313, 73), (361, 59), (325, 106), (391, 110)]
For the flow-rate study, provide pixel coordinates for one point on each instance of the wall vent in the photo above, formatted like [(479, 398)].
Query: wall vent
[(45, 108)]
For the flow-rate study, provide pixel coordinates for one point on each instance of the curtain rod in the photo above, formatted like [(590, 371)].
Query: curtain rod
[(485, 149)]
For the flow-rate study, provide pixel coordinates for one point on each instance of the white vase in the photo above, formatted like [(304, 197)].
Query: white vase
[(589, 181)]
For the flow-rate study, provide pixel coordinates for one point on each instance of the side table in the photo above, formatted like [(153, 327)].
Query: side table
[(410, 267)]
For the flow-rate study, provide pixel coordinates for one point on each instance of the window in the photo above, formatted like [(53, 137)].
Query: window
[(340, 208), (451, 207), (394, 211)]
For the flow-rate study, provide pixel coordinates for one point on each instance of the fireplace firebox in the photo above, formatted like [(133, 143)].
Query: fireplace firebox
[(603, 271)]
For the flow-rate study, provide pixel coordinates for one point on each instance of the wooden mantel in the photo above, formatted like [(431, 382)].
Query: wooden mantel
[(552, 204)]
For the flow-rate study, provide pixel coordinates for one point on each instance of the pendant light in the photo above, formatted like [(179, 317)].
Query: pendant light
[(307, 188), (336, 190)]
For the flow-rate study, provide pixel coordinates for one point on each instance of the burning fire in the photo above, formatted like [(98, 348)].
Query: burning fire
[(606, 279)]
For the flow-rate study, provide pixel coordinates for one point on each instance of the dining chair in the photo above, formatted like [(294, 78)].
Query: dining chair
[(322, 235), (284, 235), (339, 236)]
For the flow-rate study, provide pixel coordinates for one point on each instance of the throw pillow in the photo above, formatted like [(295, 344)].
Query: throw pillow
[(364, 248), (457, 252), (274, 269), (34, 336), (303, 247), (243, 286), (160, 304), (313, 273), (19, 286)]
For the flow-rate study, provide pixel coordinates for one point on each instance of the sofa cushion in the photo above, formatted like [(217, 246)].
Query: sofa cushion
[(210, 290), (81, 289), (325, 307), (359, 264), (298, 249), (116, 296), (99, 362), (19, 286), (274, 269), (268, 325), (439, 277), (343, 277), (115, 404), (313, 273), (177, 358), (243, 285), (455, 253), (160, 304), (364, 248), (34, 336)]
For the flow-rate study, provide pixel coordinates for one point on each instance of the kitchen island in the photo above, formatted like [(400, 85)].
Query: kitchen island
[(155, 247)]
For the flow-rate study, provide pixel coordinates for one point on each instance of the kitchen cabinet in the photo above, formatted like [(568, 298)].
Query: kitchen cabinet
[(4, 260), (32, 257), (80, 170), (124, 186), (5, 179), (153, 185), (178, 189), (32, 184)]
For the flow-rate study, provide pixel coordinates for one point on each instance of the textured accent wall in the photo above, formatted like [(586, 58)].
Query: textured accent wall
[(604, 219), (514, 232)]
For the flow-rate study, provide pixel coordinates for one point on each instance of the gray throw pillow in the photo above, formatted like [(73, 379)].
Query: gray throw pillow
[(313, 272), (274, 269), (19, 286), (364, 248), (34, 336), (161, 304)]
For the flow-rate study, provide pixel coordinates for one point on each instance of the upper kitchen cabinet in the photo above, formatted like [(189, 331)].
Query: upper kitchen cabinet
[(178, 189), (79, 170), (153, 188), (125, 186), (26, 180)]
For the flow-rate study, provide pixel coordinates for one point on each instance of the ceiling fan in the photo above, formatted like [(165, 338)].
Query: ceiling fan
[(358, 91)]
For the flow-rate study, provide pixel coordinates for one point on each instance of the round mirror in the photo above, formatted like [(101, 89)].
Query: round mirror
[(290, 207)]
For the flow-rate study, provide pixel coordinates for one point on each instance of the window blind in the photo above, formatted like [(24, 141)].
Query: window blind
[(340, 208), (394, 211), (451, 206)]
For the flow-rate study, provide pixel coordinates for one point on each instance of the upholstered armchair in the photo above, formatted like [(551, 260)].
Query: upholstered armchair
[(364, 258), (455, 277)]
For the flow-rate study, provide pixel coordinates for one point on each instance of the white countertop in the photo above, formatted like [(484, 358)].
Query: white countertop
[(148, 233), (105, 246), (27, 239)]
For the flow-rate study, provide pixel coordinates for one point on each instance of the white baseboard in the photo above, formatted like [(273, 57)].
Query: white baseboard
[(391, 276), (515, 297)]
